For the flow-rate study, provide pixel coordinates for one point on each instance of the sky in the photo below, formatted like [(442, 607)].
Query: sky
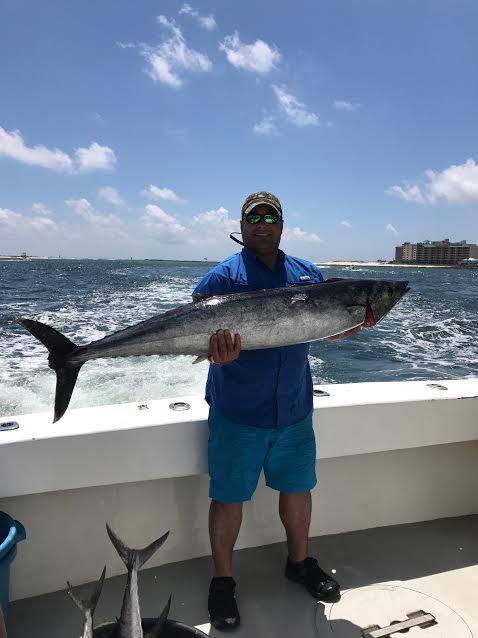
[(136, 129)]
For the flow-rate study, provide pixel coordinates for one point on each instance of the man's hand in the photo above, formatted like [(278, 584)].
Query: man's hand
[(221, 348)]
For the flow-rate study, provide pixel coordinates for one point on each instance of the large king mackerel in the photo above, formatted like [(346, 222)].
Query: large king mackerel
[(264, 319)]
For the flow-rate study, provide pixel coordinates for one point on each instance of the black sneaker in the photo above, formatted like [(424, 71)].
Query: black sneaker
[(316, 581), (223, 611)]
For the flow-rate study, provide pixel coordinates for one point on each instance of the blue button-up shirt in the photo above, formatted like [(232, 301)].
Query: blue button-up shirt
[(267, 388)]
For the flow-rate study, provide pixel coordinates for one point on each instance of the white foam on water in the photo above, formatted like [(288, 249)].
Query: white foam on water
[(427, 335), (28, 385)]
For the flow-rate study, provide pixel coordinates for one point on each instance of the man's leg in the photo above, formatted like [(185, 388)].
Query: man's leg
[(295, 511), (236, 454), (290, 469), (224, 525)]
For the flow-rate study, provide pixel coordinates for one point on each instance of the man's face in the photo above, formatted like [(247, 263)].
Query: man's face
[(261, 238)]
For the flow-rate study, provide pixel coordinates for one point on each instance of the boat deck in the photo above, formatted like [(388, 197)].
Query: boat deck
[(385, 573)]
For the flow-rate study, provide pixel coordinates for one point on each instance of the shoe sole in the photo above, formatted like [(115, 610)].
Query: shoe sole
[(221, 627), (333, 597)]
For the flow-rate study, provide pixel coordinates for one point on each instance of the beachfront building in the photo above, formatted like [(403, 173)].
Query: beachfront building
[(435, 252)]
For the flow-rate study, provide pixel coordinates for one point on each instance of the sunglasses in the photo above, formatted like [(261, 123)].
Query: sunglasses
[(267, 218)]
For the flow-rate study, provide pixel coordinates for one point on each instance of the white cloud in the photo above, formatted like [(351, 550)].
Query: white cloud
[(258, 57), (215, 224), (297, 233), (18, 223), (86, 211), (171, 56), (296, 112), (342, 105), (457, 184), (346, 224), (110, 195), (39, 208), (95, 157), (409, 192), (13, 146), (392, 229), (207, 22), (163, 227), (162, 193), (267, 126)]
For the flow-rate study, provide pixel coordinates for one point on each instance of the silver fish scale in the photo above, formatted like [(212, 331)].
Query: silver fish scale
[(263, 318)]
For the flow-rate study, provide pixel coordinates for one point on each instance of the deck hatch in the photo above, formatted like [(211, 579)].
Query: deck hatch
[(389, 610)]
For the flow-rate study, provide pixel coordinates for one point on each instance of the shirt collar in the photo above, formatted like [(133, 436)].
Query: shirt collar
[(250, 255)]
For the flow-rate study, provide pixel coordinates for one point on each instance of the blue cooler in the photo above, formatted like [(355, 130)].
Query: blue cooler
[(11, 532)]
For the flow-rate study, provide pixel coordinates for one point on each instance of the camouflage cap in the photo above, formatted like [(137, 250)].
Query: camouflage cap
[(262, 197)]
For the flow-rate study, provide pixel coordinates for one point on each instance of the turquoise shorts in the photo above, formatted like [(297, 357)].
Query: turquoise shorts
[(238, 453)]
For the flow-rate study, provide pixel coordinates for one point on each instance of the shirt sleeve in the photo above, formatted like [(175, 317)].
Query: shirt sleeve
[(316, 273), (214, 283)]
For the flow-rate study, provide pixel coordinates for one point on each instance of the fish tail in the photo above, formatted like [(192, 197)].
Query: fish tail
[(59, 348), (156, 630), (88, 607), (136, 557)]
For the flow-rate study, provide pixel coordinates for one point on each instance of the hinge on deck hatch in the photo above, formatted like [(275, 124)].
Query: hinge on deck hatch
[(418, 618)]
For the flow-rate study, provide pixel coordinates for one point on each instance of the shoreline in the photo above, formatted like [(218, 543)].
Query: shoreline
[(327, 264), (383, 264)]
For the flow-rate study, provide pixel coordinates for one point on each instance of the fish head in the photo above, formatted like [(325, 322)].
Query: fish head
[(383, 296)]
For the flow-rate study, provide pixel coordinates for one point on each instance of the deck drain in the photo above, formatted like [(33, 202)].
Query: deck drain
[(320, 393), (179, 405), (8, 425), (389, 611)]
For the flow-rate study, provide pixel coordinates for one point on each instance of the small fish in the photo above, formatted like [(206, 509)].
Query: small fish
[(87, 607), (267, 318), (129, 624)]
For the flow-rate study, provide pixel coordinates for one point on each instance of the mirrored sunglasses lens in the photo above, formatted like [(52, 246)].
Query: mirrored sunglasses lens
[(251, 218)]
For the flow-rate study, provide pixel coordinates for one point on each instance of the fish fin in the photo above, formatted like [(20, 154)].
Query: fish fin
[(146, 553), (95, 596), (59, 348), (201, 357), (123, 550), (131, 556), (88, 606), (158, 626)]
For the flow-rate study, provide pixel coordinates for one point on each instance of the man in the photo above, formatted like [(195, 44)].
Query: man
[(260, 415)]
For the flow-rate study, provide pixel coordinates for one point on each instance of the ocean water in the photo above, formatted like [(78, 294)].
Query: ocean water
[(431, 334)]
